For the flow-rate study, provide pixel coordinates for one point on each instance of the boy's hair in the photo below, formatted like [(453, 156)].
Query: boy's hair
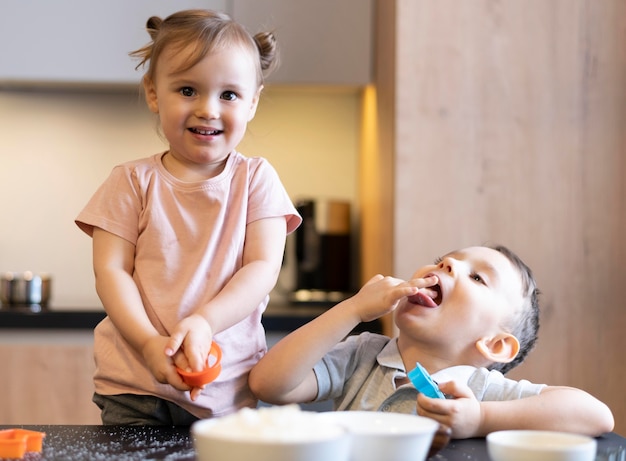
[(209, 31), (525, 323)]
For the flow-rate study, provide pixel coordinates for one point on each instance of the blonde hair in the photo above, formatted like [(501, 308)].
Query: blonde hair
[(208, 31)]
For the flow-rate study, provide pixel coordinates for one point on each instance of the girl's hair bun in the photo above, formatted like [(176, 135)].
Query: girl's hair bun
[(153, 25), (268, 51)]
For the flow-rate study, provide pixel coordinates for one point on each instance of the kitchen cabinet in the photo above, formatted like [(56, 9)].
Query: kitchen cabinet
[(48, 361), (321, 41), (47, 377), (77, 41)]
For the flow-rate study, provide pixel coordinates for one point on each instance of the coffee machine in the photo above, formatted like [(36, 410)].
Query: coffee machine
[(323, 252)]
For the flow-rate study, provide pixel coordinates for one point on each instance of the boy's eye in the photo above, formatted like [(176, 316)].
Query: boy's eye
[(187, 91), (437, 261), (229, 95), (477, 278)]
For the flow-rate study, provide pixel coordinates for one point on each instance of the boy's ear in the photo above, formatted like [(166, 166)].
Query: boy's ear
[(501, 348), (150, 93)]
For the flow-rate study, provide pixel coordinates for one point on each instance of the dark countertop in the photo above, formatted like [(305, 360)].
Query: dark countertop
[(129, 443), (278, 317)]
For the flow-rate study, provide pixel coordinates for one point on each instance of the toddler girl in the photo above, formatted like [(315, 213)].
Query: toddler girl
[(188, 243)]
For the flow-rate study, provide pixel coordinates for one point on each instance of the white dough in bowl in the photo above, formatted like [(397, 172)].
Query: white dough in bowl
[(270, 434)]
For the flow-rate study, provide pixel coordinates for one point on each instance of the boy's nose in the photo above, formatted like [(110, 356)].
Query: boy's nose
[(448, 264)]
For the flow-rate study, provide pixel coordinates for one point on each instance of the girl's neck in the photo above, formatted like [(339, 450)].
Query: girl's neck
[(192, 172)]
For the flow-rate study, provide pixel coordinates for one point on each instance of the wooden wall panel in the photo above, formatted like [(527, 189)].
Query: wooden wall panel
[(509, 127)]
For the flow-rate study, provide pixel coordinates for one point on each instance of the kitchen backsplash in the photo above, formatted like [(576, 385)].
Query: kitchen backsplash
[(57, 147)]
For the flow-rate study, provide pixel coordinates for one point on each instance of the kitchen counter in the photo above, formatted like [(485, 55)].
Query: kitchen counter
[(129, 443), (277, 317)]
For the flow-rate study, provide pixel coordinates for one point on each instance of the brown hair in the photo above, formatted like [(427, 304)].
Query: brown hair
[(525, 323), (210, 31)]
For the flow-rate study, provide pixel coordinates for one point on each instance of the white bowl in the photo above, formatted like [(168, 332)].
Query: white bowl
[(540, 446), (270, 434), (378, 436)]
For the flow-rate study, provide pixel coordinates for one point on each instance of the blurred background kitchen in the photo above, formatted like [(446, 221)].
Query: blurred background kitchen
[(441, 123)]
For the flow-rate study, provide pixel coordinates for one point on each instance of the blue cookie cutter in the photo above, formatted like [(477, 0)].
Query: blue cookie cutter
[(424, 383)]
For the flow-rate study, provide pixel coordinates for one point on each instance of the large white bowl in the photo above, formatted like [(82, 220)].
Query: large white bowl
[(270, 434), (378, 436), (540, 446)]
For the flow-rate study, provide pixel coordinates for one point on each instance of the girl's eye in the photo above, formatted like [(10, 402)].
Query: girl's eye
[(477, 278), (229, 95), (437, 261), (187, 91)]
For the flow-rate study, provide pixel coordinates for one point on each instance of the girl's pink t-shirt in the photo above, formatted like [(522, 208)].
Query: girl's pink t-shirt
[(189, 240)]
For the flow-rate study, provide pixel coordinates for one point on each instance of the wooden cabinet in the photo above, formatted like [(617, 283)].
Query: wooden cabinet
[(74, 41), (321, 41), (47, 377)]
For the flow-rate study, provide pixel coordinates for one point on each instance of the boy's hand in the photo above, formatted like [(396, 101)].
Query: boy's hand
[(381, 295), (462, 413)]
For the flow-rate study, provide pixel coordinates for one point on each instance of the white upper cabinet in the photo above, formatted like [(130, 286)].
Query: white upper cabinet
[(321, 41), (79, 41), (74, 42)]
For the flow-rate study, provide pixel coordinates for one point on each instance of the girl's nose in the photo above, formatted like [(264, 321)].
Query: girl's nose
[(208, 109)]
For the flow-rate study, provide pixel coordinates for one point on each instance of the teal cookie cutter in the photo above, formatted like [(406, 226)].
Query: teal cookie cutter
[(424, 383)]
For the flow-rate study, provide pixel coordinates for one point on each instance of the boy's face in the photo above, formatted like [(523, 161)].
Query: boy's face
[(479, 290)]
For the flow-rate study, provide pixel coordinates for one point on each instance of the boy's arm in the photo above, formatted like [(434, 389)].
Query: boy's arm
[(556, 408), (285, 374)]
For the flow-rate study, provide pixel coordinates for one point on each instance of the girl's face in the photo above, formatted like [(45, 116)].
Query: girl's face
[(203, 110), (479, 290)]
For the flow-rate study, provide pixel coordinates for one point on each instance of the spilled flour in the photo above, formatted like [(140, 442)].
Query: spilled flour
[(114, 443)]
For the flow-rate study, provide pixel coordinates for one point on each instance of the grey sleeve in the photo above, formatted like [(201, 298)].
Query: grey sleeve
[(338, 365)]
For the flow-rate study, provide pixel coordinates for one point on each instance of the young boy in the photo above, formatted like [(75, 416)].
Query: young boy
[(467, 319)]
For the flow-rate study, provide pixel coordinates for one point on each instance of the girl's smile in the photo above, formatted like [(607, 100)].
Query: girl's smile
[(205, 109)]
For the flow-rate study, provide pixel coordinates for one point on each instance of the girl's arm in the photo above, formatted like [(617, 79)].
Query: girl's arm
[(556, 408), (285, 374), (113, 260), (262, 259)]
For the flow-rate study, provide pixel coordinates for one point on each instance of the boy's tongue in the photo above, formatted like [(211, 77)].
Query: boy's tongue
[(422, 300)]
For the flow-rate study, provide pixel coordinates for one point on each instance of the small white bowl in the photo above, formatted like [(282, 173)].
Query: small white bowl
[(378, 436), (270, 434), (540, 446)]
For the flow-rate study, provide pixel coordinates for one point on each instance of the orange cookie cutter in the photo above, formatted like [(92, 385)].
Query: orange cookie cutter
[(209, 374), (14, 443)]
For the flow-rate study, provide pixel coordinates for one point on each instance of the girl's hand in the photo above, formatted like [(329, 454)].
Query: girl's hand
[(462, 414), (190, 343), (162, 366), (188, 347)]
